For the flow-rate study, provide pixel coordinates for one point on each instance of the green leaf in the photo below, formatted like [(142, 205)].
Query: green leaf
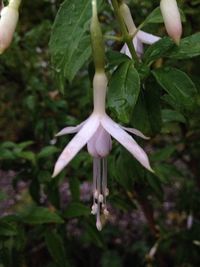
[(6, 154), (25, 144), (93, 235), (47, 152), (74, 188), (166, 172), (124, 88), (169, 115), (8, 144), (127, 169), (111, 259), (158, 50), (115, 58), (163, 154), (40, 215), (147, 112), (55, 247), (155, 184), (70, 40), (178, 85), (27, 155), (156, 17), (76, 210), (7, 229), (189, 47)]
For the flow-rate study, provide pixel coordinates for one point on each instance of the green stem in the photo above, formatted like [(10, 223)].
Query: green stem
[(97, 40), (127, 38), (114, 38)]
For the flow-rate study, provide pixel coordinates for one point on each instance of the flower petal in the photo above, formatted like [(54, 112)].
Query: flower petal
[(147, 38), (71, 129), (136, 132), (126, 140), (103, 143), (138, 46), (75, 145), (125, 51)]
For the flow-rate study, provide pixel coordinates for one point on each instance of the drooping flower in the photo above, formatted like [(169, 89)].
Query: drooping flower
[(172, 19), (96, 132), (140, 37), (8, 23)]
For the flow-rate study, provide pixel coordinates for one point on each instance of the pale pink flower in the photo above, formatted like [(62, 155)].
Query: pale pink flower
[(172, 19), (96, 132), (140, 37)]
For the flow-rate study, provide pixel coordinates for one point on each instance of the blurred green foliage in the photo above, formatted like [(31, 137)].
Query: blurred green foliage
[(148, 211)]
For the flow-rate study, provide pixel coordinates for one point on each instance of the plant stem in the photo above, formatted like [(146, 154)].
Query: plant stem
[(127, 38), (114, 38)]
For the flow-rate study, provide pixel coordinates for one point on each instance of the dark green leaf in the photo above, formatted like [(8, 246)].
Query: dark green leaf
[(70, 41), (76, 210), (55, 247), (47, 152), (178, 85), (27, 155), (156, 17), (24, 144), (7, 229), (164, 154), (189, 47), (115, 58), (74, 188), (158, 50), (111, 259), (169, 115), (147, 112), (124, 88), (155, 184), (166, 172), (40, 215), (6, 154)]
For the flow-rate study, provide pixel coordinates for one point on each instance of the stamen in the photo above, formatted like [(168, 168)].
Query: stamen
[(100, 190), (104, 175), (98, 222), (94, 209), (101, 198)]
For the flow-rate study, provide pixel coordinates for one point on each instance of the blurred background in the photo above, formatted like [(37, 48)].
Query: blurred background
[(44, 222)]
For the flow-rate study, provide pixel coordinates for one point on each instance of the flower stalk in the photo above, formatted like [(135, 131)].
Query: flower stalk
[(97, 40)]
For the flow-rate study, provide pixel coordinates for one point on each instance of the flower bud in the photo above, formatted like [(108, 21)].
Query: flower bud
[(172, 19), (8, 23)]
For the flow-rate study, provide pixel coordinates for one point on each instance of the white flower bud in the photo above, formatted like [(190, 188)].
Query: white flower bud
[(172, 19), (8, 23)]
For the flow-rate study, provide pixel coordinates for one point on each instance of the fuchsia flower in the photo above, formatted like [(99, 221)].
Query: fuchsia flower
[(96, 132), (140, 37), (8, 23)]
